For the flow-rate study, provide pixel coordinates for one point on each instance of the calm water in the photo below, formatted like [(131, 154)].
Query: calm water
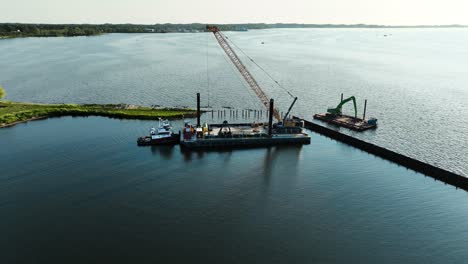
[(415, 79), (79, 190)]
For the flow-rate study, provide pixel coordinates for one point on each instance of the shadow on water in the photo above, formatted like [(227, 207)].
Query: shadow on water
[(289, 153), (164, 151), (200, 153), (190, 154), (272, 154)]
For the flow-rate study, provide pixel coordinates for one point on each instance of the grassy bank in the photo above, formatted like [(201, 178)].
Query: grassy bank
[(12, 113)]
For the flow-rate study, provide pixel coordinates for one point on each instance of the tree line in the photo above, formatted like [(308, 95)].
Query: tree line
[(53, 30)]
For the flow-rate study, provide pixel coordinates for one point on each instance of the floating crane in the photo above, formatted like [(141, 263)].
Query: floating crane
[(245, 72)]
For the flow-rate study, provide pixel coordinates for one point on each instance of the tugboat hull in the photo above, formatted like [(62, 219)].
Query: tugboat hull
[(148, 141)]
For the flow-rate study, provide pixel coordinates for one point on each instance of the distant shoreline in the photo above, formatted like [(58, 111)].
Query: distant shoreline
[(15, 30)]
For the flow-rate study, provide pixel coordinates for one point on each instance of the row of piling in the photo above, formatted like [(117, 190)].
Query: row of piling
[(236, 113)]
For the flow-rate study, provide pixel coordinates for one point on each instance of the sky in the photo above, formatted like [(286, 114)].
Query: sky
[(382, 12)]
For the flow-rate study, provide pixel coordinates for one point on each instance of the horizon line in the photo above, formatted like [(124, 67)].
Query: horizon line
[(248, 23)]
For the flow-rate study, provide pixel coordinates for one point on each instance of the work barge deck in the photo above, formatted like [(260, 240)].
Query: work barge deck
[(242, 135), (346, 121), (221, 136), (335, 117)]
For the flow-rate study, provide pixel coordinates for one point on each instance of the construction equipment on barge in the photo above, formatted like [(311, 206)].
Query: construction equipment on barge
[(335, 116), (286, 131), (337, 110), (243, 135)]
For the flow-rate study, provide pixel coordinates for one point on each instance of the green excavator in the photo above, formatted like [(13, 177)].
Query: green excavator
[(337, 111)]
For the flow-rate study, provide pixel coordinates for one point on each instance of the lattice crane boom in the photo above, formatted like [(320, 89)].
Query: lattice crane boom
[(242, 69)]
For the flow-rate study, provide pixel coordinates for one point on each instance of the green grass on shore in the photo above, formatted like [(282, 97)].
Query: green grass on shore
[(13, 112)]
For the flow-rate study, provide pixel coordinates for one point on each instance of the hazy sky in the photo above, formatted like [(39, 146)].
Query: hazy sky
[(390, 12)]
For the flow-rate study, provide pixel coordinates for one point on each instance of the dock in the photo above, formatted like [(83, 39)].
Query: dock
[(346, 121)]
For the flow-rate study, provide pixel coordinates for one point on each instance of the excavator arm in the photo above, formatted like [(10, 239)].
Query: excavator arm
[(337, 110)]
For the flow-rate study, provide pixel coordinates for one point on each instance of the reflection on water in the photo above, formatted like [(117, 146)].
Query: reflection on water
[(415, 80), (74, 195), (165, 151), (291, 153), (190, 155)]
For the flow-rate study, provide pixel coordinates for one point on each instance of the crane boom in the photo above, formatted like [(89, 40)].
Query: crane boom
[(242, 69)]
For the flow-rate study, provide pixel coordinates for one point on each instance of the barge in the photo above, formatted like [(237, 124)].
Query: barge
[(346, 121), (335, 116), (218, 136), (225, 135)]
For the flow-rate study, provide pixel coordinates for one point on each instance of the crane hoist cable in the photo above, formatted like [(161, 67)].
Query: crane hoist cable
[(249, 79), (207, 72), (260, 67), (236, 61)]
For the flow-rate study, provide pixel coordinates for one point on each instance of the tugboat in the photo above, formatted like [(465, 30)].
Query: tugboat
[(161, 136)]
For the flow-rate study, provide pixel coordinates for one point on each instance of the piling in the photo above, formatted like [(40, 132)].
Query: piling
[(198, 109), (365, 108), (270, 119), (341, 97)]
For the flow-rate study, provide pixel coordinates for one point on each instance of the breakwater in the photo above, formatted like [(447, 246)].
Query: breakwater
[(408, 162)]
